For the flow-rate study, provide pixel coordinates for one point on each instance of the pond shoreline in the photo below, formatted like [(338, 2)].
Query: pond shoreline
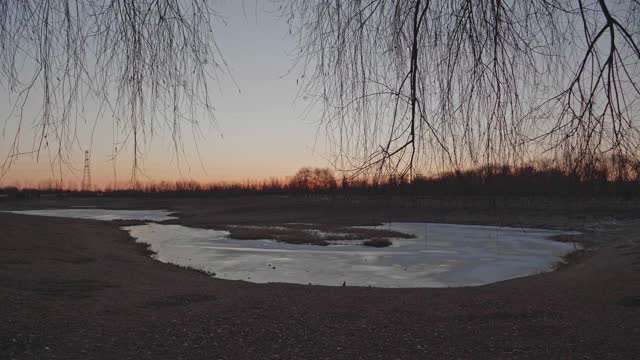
[(80, 289), (424, 255)]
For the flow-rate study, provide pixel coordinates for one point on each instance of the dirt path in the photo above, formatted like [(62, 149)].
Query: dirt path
[(72, 289)]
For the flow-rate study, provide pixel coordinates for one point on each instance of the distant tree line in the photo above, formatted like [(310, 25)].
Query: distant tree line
[(612, 176)]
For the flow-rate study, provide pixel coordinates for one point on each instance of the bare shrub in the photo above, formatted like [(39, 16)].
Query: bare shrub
[(418, 85)]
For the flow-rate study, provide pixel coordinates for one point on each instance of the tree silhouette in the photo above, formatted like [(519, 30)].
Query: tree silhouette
[(143, 62), (417, 84), (314, 179), (405, 86)]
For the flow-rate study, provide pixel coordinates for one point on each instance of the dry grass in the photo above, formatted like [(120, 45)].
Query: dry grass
[(315, 234), (382, 242)]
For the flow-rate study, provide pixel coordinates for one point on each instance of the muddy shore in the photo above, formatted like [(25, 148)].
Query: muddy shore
[(78, 289)]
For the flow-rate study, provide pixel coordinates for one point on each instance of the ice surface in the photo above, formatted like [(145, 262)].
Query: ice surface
[(440, 255), (102, 214)]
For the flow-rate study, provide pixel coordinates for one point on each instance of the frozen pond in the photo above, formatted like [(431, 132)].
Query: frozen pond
[(441, 255), (91, 213)]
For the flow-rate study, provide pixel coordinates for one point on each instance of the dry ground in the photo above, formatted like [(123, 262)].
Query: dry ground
[(75, 289)]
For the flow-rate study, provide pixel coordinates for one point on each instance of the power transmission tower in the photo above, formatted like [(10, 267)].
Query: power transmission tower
[(86, 175)]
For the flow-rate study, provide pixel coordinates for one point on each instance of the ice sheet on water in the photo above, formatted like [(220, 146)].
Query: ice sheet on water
[(440, 255), (102, 214)]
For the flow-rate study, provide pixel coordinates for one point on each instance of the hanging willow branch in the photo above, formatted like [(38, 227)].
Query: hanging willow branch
[(413, 85), (144, 63)]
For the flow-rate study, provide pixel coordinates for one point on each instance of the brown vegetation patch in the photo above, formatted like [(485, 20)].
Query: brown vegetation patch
[(315, 234), (384, 242)]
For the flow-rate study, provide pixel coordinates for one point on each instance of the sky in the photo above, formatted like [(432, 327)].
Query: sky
[(261, 130)]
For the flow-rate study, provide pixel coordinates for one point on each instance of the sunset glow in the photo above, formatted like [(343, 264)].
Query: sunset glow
[(260, 130)]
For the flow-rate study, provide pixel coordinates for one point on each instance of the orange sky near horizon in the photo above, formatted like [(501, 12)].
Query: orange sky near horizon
[(262, 131)]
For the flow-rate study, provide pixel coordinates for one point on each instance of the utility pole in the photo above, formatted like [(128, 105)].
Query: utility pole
[(86, 175)]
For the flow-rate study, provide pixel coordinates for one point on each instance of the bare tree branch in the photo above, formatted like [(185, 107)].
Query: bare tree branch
[(494, 80), (145, 63)]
